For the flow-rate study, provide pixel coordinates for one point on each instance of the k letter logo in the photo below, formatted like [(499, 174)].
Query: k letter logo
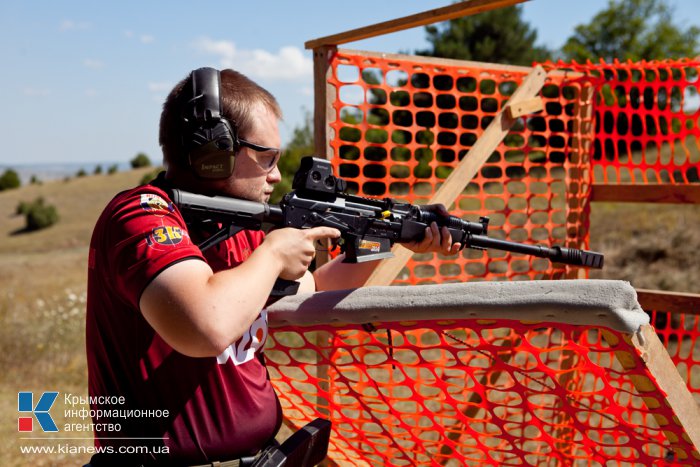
[(25, 403)]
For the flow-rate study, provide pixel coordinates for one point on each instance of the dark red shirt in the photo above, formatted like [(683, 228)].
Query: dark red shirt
[(218, 408)]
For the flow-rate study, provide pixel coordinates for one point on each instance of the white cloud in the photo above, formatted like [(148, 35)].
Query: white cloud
[(159, 90), (70, 25), (35, 92), (92, 64), (162, 86), (287, 64), (142, 38)]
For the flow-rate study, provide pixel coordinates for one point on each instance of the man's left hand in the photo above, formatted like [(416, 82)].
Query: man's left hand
[(437, 239)]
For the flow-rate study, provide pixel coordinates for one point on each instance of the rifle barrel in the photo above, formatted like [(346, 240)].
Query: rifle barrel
[(557, 254)]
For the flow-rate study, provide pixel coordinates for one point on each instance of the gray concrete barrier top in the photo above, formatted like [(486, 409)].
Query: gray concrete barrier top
[(600, 303)]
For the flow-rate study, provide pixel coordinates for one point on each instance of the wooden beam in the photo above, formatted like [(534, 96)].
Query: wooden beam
[(324, 116), (578, 163), (674, 302), (437, 62), (324, 96), (638, 193), (467, 168), (673, 390), (434, 63), (457, 10), (523, 108)]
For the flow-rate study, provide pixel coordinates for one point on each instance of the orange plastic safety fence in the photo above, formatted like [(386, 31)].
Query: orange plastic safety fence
[(511, 394), (647, 120), (401, 127), (471, 392)]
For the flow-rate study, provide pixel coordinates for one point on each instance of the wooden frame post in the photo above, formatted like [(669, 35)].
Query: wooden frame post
[(324, 96)]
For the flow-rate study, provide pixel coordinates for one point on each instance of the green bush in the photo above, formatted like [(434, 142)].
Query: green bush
[(9, 179), (151, 175), (141, 160), (38, 214), (112, 169), (22, 208)]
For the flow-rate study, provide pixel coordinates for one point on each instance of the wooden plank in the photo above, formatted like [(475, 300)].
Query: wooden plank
[(324, 96), (468, 167), (583, 134), (674, 302), (523, 108), (436, 63), (457, 10), (674, 391), (638, 193), (577, 164)]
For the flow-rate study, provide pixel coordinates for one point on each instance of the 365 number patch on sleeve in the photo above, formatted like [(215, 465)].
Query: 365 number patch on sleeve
[(165, 235)]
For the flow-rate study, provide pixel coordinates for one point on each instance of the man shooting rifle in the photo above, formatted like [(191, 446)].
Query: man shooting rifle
[(174, 331)]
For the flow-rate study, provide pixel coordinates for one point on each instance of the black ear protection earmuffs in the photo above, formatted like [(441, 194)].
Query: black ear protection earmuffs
[(210, 141)]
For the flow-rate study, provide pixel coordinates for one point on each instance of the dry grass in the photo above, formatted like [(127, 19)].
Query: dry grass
[(653, 246), (42, 307)]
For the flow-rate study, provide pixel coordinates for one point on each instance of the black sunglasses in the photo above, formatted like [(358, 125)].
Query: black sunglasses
[(271, 155)]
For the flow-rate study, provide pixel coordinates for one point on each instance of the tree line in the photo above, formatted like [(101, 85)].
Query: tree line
[(625, 30), (38, 213)]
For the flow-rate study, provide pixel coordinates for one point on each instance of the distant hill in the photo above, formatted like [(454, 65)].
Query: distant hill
[(49, 172)]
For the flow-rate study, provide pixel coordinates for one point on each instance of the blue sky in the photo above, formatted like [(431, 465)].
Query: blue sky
[(84, 81)]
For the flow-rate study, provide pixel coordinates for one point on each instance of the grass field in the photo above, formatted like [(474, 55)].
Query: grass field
[(43, 273), (653, 246), (42, 307)]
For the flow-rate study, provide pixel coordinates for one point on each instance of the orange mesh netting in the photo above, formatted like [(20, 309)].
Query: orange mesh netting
[(499, 392), (647, 120), (401, 127), (482, 393), (647, 131)]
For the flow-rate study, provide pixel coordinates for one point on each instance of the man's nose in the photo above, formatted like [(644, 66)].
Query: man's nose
[(274, 175)]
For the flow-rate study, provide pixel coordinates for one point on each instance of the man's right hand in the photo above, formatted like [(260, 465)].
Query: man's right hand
[(295, 248), (200, 313)]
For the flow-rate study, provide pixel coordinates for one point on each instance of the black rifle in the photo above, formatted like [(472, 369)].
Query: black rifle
[(369, 227)]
